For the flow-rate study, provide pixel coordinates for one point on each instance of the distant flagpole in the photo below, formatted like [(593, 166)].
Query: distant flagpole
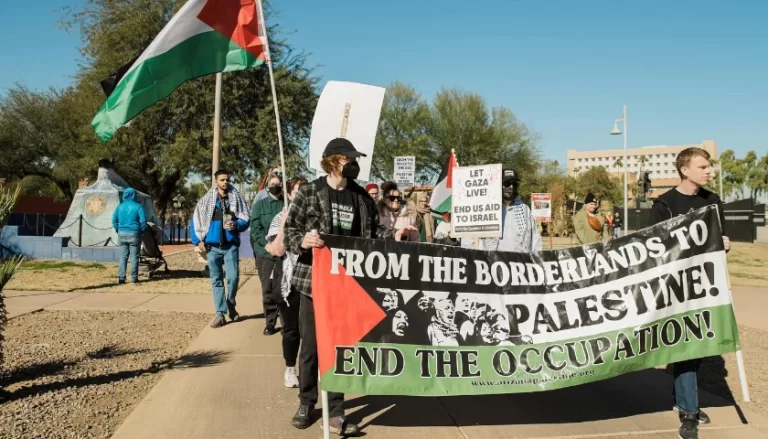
[(263, 24), (216, 128)]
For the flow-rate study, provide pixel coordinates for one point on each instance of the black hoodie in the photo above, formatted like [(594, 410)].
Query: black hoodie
[(673, 203)]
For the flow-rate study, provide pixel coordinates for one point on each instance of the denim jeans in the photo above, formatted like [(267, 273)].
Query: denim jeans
[(685, 389), (130, 243), (220, 258)]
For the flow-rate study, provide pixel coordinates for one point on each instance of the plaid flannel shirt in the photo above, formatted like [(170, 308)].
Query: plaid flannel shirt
[(311, 210)]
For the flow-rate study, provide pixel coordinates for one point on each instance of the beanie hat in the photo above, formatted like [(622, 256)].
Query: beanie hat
[(370, 186), (591, 198)]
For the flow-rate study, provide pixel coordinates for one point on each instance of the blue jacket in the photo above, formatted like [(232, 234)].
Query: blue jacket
[(216, 230), (129, 216)]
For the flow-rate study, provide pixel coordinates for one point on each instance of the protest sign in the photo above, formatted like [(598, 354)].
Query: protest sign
[(476, 198), (349, 110), (541, 207), (405, 171), (427, 320)]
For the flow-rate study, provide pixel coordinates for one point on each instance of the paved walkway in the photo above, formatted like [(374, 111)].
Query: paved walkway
[(233, 389)]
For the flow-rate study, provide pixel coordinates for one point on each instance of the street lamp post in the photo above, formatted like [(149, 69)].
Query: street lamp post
[(615, 132)]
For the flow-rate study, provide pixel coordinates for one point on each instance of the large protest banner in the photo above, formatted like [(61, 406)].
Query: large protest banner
[(397, 318)]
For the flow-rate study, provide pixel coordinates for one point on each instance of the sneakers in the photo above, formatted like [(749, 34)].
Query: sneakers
[(340, 426), (703, 417), (218, 321), (689, 427), (233, 315), (290, 379), (301, 419), (270, 330), (121, 281)]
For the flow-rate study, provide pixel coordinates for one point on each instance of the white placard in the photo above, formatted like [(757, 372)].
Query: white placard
[(405, 171), (349, 110), (476, 202), (541, 207)]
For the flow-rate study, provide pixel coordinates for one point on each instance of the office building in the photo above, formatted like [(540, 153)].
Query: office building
[(658, 160)]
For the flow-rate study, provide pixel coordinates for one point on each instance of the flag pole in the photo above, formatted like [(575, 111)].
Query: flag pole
[(326, 419), (216, 127), (263, 24), (739, 353)]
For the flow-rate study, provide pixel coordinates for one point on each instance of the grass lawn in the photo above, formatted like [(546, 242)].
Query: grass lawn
[(748, 265), (186, 275)]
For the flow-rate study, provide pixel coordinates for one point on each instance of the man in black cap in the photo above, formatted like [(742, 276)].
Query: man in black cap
[(333, 204), (519, 231), (588, 225)]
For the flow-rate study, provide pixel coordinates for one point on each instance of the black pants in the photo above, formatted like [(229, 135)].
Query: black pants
[(308, 362), (270, 273), (289, 318)]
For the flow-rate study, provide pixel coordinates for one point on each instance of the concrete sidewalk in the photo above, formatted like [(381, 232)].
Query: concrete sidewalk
[(241, 395), (232, 388)]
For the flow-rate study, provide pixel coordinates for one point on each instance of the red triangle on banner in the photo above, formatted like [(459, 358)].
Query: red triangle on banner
[(344, 311)]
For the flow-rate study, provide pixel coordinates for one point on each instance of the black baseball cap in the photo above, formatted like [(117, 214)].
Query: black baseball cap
[(341, 146), (509, 176)]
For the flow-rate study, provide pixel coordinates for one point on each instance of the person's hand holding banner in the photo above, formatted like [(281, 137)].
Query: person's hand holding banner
[(727, 243), (401, 232), (312, 240)]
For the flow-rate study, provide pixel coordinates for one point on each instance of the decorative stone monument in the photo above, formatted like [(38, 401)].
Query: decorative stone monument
[(89, 220)]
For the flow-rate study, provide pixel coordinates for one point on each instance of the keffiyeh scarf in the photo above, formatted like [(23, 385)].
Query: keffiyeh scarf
[(207, 205)]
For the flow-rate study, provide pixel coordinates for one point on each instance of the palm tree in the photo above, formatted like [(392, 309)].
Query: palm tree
[(642, 160), (576, 170), (618, 164)]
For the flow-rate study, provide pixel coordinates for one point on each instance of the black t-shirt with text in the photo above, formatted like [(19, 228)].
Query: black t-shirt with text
[(345, 217)]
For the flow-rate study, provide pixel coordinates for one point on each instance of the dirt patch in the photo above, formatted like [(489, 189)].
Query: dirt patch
[(78, 374), (186, 275), (720, 376)]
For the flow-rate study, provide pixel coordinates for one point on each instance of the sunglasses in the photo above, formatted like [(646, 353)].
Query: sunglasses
[(394, 198)]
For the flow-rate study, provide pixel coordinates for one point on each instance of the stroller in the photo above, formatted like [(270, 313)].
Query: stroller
[(151, 258)]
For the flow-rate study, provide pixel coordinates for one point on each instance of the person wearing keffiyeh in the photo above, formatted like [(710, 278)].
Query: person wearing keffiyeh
[(219, 218)]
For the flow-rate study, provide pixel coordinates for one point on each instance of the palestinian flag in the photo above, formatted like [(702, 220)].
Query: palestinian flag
[(440, 201), (203, 38)]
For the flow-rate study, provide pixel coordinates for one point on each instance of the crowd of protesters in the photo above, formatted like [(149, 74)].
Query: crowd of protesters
[(283, 233)]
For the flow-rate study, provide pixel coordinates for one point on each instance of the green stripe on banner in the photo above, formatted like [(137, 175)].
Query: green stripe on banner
[(156, 78), (476, 370)]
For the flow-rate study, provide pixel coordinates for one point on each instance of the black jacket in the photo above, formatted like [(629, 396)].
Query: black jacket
[(311, 210), (664, 205)]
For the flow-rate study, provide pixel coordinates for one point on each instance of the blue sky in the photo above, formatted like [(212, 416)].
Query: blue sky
[(689, 70)]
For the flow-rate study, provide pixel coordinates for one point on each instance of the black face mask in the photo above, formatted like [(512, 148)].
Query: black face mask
[(275, 190), (508, 193), (351, 170)]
